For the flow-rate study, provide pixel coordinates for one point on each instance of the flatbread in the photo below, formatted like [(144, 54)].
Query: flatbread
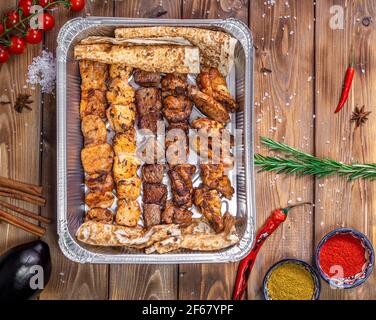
[(153, 58), (216, 47), (137, 41), (161, 238)]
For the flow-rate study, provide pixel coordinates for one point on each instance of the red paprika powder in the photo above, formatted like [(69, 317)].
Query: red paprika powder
[(345, 251)]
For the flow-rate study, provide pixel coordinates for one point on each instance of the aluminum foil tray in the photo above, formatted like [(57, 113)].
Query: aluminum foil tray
[(70, 175)]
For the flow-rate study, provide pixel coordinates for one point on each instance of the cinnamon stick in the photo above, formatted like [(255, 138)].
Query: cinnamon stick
[(22, 196), (21, 186), (25, 212), (22, 224)]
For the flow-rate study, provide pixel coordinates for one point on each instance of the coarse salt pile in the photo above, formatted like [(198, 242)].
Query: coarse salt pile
[(42, 71)]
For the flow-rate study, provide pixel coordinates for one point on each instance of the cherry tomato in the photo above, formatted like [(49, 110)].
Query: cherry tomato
[(77, 5), (48, 21), (17, 45), (1, 28), (4, 54), (13, 18), (25, 5), (45, 3), (34, 36)]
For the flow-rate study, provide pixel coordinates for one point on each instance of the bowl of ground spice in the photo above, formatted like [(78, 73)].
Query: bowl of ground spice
[(345, 258), (291, 279)]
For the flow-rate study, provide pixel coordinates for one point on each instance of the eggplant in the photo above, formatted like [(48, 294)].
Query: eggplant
[(24, 270)]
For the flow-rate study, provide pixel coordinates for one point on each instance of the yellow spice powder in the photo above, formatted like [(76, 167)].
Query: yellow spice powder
[(290, 281)]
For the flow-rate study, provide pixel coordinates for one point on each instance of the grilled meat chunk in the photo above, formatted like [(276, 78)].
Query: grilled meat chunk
[(121, 117), (179, 125), (148, 100), (208, 106), (155, 193), (208, 203), (93, 102), (99, 215), (94, 199), (94, 130), (150, 121), (97, 158), (125, 142), (128, 213), (211, 82), (152, 173), (207, 125), (212, 141), (125, 167), (173, 214), (181, 184), (120, 92), (174, 84), (222, 152), (119, 70), (177, 147), (129, 188), (214, 178), (100, 182), (93, 75), (146, 79), (152, 214), (177, 108), (151, 151)]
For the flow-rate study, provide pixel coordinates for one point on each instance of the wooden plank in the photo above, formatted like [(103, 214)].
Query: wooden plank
[(217, 9), (340, 203), (284, 38), (210, 281), (145, 282), (69, 280), (166, 9), (19, 133)]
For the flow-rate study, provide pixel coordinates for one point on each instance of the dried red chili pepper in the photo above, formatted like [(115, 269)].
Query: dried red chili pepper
[(246, 265), (350, 72)]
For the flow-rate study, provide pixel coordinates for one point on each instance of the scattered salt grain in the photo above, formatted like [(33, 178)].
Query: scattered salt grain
[(42, 71), (299, 199)]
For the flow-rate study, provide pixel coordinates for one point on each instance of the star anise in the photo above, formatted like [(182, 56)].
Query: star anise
[(359, 116), (23, 101)]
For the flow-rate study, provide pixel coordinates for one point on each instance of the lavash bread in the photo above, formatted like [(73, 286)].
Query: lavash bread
[(216, 47), (160, 238), (165, 58), (136, 41)]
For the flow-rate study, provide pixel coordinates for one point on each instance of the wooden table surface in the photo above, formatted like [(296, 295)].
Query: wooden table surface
[(293, 103)]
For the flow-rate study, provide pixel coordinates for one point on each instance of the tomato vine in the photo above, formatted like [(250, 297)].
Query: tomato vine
[(15, 29)]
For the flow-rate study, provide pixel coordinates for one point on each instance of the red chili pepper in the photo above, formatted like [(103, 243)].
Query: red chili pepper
[(350, 72), (246, 265)]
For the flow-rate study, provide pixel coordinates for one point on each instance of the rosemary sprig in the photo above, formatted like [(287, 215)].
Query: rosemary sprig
[(301, 163)]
